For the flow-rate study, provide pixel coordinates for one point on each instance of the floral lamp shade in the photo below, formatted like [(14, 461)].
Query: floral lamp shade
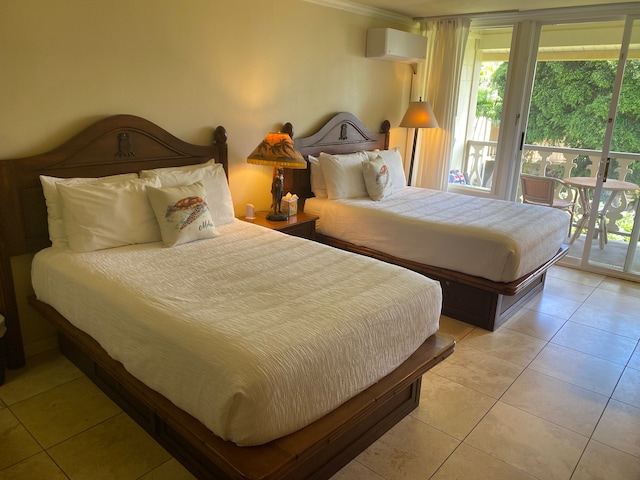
[(277, 150)]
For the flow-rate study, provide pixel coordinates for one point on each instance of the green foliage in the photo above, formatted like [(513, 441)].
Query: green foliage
[(491, 91), (570, 106)]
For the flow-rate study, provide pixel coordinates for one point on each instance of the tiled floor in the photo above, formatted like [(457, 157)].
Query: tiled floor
[(553, 394)]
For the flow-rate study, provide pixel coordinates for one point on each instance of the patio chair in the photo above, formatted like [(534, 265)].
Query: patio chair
[(542, 191)]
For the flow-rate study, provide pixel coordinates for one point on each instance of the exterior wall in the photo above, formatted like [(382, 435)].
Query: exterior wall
[(68, 63)]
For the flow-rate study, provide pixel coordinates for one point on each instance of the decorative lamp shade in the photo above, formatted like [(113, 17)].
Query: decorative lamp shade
[(419, 115), (277, 150)]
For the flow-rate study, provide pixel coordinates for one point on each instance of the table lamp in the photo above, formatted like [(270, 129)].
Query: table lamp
[(277, 150), (418, 115)]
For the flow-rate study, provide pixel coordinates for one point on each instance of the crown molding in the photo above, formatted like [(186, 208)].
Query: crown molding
[(585, 13), (360, 9)]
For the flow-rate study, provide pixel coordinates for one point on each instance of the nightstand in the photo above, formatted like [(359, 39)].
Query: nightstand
[(300, 225)]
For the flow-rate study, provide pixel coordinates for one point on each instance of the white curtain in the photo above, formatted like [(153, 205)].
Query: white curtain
[(445, 52)]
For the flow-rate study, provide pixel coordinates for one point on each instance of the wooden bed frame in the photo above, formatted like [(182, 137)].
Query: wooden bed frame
[(317, 451), (475, 300)]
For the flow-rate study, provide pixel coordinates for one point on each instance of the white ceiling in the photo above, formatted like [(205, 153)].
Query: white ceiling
[(439, 8)]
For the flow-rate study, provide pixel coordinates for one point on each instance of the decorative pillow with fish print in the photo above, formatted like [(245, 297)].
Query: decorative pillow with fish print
[(377, 178), (182, 213)]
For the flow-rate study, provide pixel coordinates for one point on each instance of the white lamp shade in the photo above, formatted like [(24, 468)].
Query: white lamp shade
[(419, 115)]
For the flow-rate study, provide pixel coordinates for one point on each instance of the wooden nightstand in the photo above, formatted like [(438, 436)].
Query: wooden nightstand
[(300, 225)]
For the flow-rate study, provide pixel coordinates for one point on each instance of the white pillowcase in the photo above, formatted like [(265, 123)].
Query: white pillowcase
[(107, 215), (211, 174), (393, 159), (343, 175), (377, 178), (182, 213), (57, 232), (318, 185)]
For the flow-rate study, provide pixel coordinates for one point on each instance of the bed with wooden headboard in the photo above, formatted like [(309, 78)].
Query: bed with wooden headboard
[(471, 298), (124, 144)]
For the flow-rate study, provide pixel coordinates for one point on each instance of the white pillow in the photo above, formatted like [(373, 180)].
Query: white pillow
[(318, 185), (107, 215), (57, 232), (182, 213), (211, 174), (393, 159), (377, 178), (343, 175)]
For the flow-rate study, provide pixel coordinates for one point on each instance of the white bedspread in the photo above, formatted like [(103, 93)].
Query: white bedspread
[(493, 239), (255, 333)]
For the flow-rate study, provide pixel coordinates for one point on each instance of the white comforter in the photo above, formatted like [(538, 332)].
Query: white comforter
[(493, 239), (255, 333)]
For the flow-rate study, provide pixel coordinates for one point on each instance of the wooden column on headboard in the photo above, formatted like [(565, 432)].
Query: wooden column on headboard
[(344, 133)]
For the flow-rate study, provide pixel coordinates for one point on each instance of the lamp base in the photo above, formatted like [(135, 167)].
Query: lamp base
[(277, 217)]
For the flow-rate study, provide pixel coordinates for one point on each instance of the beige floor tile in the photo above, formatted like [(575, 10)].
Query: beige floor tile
[(457, 329), (568, 289), (535, 324), (410, 450), (41, 373), (479, 371), (593, 341), (356, 471), (555, 305), (618, 285), (449, 406), (634, 362), (559, 402), (169, 470), (39, 466), (77, 406), (469, 463), (610, 319), (601, 462), (117, 448), (613, 300), (620, 428), (574, 275), (581, 369), (531, 444), (15, 442), (628, 388), (505, 344)]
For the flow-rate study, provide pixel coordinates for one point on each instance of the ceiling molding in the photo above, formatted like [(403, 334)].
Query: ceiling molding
[(360, 9), (553, 15)]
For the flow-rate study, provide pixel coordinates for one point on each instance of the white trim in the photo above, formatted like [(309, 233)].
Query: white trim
[(615, 11), (360, 9)]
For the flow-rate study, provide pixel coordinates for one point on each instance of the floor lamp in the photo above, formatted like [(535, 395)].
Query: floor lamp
[(419, 115)]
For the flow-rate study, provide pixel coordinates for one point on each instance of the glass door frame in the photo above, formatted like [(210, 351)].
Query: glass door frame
[(586, 260), (522, 65)]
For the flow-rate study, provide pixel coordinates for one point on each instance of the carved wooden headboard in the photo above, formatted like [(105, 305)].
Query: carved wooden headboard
[(343, 133), (114, 145)]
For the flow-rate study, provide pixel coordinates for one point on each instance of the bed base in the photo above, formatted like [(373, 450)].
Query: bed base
[(474, 300), (316, 452)]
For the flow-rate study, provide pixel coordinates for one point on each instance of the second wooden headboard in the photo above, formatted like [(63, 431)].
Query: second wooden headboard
[(343, 133)]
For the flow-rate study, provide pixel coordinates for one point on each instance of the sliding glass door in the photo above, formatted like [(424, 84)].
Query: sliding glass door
[(553, 99), (582, 128)]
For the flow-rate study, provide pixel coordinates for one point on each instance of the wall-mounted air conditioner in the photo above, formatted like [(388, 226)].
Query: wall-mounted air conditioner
[(396, 45)]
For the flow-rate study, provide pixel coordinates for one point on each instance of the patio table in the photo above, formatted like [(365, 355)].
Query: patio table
[(584, 185)]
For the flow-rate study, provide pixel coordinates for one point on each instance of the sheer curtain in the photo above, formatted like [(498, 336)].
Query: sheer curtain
[(445, 53)]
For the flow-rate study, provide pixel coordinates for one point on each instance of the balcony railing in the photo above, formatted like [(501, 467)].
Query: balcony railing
[(560, 163)]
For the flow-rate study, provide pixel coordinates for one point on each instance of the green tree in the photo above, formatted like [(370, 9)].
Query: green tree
[(570, 106)]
